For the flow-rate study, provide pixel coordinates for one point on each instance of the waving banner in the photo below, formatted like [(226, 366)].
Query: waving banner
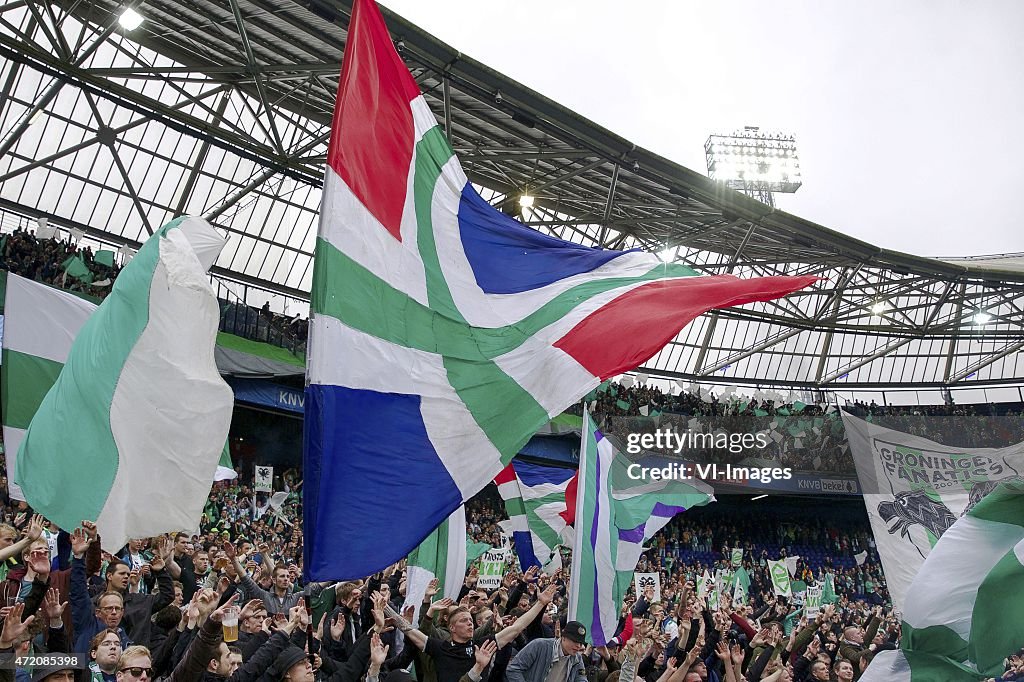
[(915, 489)]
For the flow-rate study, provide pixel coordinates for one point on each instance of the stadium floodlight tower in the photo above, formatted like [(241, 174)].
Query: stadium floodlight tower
[(755, 163)]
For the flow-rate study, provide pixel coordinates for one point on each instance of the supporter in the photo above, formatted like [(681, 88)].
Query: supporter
[(551, 660), (104, 654)]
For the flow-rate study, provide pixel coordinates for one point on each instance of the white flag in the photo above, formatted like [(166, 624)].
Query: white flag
[(915, 489)]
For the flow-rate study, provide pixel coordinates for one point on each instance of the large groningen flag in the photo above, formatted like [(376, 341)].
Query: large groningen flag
[(448, 325), (914, 489), (615, 516), (534, 498), (41, 325), (131, 432), (961, 615)]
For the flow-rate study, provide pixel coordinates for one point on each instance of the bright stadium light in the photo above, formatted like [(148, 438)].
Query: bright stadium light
[(879, 308), (981, 318), (526, 201), (130, 19), (754, 162)]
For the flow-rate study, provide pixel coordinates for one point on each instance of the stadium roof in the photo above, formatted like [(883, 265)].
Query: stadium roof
[(221, 108)]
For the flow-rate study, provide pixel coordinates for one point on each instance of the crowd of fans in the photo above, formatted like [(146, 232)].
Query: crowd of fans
[(156, 608), (43, 260), (806, 437)]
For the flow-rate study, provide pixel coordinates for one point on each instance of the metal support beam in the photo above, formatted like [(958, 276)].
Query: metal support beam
[(953, 340), (93, 140), (120, 166), (1010, 347), (50, 92), (768, 342), (198, 162), (609, 205), (447, 93)]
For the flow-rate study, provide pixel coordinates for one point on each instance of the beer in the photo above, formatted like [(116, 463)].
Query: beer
[(230, 624)]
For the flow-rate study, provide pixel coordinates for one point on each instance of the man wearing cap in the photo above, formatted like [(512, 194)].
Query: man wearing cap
[(557, 659)]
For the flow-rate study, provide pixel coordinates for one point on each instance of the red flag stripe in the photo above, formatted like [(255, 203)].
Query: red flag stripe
[(505, 475), (632, 328), (373, 132)]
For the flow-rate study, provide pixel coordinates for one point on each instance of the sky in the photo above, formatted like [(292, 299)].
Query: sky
[(906, 114)]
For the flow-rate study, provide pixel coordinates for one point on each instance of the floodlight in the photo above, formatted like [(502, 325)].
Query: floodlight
[(982, 318), (760, 163), (879, 308), (526, 201), (130, 19)]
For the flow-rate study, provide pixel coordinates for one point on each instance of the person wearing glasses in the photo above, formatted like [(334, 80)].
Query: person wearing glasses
[(135, 665), (91, 618)]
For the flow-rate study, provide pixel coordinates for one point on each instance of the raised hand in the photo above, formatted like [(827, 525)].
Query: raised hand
[(250, 609), (218, 615), (80, 542), (13, 627), (432, 589), (39, 561), (548, 594), (440, 605), (378, 651), (484, 653), (53, 606), (35, 528), (722, 651), (90, 530), (737, 654), (531, 574), (338, 627)]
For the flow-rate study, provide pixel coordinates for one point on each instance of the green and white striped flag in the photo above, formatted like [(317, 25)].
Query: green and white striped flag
[(742, 586), (737, 556), (780, 578), (442, 555), (961, 616), (138, 402), (615, 516), (41, 323)]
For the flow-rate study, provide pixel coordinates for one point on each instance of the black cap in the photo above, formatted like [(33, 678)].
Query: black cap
[(575, 631), (285, 660), (40, 674)]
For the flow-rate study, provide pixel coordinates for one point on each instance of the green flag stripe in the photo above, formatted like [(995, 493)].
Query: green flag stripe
[(994, 621), (341, 284), (514, 506), (25, 380), (1002, 505), (934, 638), (929, 668)]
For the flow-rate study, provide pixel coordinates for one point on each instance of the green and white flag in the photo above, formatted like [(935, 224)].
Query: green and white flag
[(828, 590), (442, 555), (961, 615), (915, 489), (705, 584), (714, 597), (615, 515), (780, 578), (41, 323), (741, 587), (737, 556), (139, 402)]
